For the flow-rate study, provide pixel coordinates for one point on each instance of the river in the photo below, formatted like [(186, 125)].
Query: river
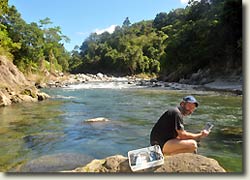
[(58, 125)]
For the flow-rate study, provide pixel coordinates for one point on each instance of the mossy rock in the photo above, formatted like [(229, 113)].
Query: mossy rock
[(232, 131), (29, 92)]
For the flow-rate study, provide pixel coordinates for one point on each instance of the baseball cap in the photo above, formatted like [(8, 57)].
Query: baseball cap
[(191, 99)]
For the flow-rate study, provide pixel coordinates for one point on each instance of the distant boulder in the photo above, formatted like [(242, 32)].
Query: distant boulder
[(99, 119)]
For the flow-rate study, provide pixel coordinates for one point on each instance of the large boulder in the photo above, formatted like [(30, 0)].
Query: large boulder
[(180, 163)]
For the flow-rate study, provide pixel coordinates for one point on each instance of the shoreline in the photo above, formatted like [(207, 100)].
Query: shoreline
[(219, 84), (15, 90)]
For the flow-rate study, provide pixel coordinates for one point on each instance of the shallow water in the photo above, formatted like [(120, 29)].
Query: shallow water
[(31, 130)]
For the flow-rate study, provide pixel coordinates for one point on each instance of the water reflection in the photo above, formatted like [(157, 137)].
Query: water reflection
[(29, 131)]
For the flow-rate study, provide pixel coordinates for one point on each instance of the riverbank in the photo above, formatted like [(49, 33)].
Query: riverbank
[(233, 84), (14, 87)]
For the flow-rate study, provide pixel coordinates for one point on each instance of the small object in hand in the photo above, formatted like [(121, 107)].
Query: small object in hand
[(209, 126)]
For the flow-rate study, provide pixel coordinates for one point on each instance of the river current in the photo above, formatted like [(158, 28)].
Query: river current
[(58, 125)]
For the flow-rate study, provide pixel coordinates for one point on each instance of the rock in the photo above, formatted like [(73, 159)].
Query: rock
[(26, 98), (225, 85), (4, 101), (117, 163), (100, 75), (184, 162), (42, 96), (55, 163), (188, 162), (99, 119), (14, 87), (10, 76)]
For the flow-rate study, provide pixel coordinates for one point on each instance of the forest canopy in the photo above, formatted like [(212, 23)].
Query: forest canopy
[(204, 35), (31, 46)]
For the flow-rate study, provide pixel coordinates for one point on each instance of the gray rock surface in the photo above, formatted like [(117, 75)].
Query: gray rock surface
[(180, 163), (55, 163), (14, 87)]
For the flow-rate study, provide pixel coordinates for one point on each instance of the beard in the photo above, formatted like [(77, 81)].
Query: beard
[(184, 111), (188, 112)]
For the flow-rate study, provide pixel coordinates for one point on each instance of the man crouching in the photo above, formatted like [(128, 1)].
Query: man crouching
[(169, 133)]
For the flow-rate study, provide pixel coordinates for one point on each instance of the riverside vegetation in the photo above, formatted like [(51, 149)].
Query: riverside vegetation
[(204, 36)]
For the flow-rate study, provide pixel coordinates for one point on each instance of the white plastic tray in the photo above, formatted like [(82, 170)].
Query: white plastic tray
[(145, 158)]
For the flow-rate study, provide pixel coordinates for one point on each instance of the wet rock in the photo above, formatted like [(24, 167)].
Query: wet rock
[(55, 163), (232, 132), (42, 96), (25, 98), (33, 140), (99, 119)]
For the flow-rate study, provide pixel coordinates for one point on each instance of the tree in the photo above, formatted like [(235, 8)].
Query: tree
[(126, 23), (53, 48), (206, 34), (7, 46), (3, 7)]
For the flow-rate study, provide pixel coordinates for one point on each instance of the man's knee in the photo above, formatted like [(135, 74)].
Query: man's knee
[(193, 145)]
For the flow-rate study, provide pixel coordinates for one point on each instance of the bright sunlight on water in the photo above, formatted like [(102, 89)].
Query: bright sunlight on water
[(58, 125)]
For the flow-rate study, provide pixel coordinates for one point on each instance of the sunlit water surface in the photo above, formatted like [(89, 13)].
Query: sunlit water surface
[(57, 125)]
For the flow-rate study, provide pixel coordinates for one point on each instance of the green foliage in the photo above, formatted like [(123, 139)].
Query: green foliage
[(126, 51), (31, 44), (202, 39), (206, 34), (7, 45), (3, 7)]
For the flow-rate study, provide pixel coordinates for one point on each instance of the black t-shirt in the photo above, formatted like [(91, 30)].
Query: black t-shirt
[(165, 128)]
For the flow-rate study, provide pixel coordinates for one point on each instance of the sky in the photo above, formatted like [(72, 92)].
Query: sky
[(79, 18)]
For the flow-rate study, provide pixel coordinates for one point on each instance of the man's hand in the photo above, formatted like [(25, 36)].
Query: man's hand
[(204, 133)]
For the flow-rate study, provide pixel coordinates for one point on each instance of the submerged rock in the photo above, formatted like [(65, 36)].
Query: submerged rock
[(55, 163)]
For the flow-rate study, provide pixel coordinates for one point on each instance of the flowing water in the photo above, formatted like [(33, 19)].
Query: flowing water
[(58, 125)]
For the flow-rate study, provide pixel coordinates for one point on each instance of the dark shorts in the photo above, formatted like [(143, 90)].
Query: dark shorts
[(157, 142), (155, 139)]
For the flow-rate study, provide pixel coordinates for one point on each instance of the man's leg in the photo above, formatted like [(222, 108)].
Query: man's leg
[(175, 146)]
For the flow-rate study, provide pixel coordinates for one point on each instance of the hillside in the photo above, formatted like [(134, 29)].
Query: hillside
[(203, 36), (14, 87)]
